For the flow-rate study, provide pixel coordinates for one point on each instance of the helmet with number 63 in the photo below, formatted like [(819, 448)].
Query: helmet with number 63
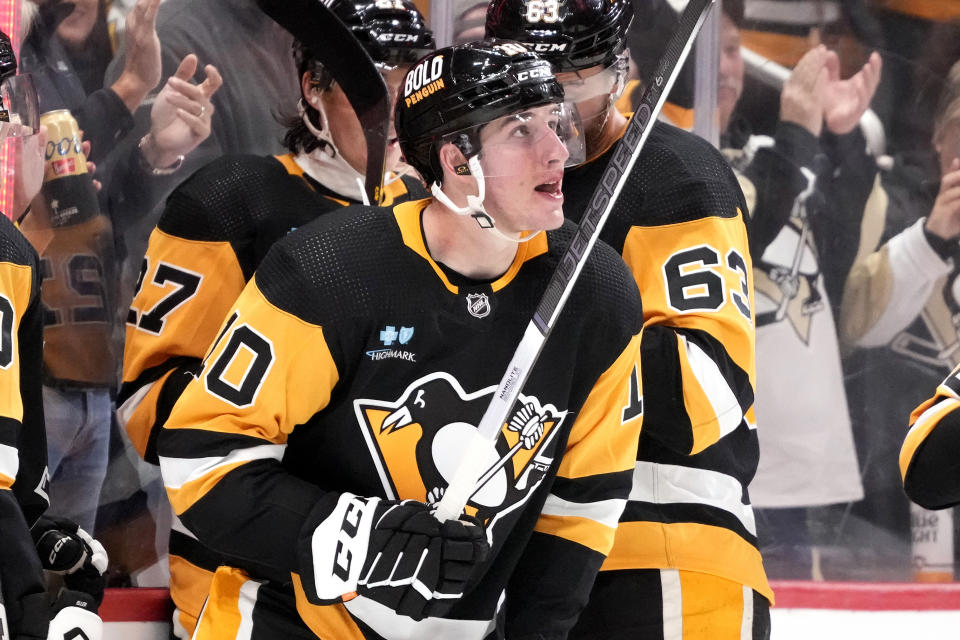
[(571, 34)]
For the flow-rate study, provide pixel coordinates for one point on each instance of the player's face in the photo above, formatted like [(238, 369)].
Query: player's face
[(591, 90), (345, 127), (730, 81), (522, 159)]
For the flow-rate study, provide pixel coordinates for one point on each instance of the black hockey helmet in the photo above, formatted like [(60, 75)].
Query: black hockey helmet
[(392, 31), (19, 106), (449, 94), (8, 61), (571, 34)]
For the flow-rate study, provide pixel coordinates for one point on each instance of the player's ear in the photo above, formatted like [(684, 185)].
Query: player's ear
[(452, 160), (309, 88)]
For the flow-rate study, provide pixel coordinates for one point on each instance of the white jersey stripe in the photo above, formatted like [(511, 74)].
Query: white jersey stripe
[(725, 404), (933, 411), (673, 484), (126, 410), (746, 624), (606, 512), (179, 471), (9, 461), (245, 604), (672, 604)]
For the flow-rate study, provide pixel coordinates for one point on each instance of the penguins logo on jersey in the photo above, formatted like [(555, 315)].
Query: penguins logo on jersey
[(786, 280), (416, 442)]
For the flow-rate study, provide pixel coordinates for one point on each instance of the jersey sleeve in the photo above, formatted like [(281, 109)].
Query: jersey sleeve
[(23, 446), (577, 523), (887, 289), (698, 346), (928, 467), (15, 292), (185, 288), (221, 449)]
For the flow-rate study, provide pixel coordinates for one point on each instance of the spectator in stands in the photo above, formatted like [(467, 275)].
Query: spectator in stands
[(903, 303), (806, 193), (67, 49), (259, 90)]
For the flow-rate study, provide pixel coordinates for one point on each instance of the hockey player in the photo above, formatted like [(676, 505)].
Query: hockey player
[(339, 394), (687, 534), (24, 606), (219, 224)]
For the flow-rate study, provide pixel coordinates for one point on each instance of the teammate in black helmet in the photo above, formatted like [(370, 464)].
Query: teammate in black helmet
[(353, 371), (218, 225), (326, 133), (688, 533)]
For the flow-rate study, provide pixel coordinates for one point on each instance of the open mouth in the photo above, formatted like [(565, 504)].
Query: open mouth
[(550, 188)]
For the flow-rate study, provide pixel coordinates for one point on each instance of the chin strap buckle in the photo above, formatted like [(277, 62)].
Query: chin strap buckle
[(483, 219)]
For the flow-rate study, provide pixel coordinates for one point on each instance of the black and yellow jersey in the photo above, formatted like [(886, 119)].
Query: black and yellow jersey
[(23, 443), (679, 226), (216, 228), (928, 458), (214, 231), (355, 362), (23, 446)]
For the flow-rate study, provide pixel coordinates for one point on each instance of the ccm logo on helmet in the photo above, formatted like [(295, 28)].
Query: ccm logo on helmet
[(397, 37), (537, 72), (424, 80), (546, 47)]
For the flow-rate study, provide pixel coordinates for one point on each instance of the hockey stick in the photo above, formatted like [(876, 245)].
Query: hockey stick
[(462, 484), (313, 24)]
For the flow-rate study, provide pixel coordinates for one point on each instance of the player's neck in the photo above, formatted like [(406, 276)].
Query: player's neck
[(458, 242), (611, 131)]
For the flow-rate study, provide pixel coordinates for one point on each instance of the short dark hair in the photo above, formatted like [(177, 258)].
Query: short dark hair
[(298, 138), (733, 9)]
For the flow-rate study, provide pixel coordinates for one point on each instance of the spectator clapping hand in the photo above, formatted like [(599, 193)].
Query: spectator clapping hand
[(802, 99), (846, 100), (944, 218), (180, 117), (141, 72)]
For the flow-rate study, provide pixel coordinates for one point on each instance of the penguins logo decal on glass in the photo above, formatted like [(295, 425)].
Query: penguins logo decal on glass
[(416, 442)]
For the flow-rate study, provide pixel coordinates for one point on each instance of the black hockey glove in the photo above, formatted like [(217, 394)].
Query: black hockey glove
[(396, 553), (66, 549)]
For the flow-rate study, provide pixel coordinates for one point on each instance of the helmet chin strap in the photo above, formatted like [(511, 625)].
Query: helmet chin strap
[(475, 207), (333, 171)]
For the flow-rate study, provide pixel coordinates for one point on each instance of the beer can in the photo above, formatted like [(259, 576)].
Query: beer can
[(932, 538), (67, 188)]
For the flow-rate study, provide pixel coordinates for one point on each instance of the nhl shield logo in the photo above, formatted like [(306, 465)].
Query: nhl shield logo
[(478, 305)]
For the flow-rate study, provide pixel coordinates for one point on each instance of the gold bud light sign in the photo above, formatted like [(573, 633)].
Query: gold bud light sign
[(67, 187)]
